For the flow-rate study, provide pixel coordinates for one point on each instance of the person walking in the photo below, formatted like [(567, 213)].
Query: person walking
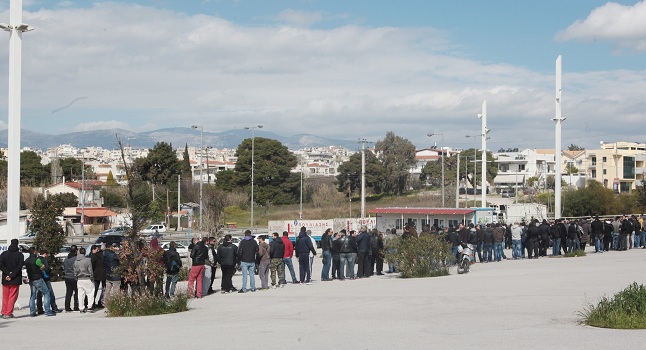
[(11, 262)]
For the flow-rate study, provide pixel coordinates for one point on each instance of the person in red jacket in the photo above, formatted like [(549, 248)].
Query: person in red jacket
[(287, 258)]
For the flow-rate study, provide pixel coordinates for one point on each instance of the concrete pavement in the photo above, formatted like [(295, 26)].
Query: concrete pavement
[(529, 304)]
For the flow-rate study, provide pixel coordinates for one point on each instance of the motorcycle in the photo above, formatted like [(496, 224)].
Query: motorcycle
[(466, 257)]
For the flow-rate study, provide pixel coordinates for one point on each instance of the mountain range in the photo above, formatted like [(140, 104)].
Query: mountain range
[(178, 137)]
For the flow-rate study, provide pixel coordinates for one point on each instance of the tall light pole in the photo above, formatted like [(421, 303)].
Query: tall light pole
[(558, 118), (475, 169), (363, 177), (15, 29), (457, 184), (300, 213), (253, 146), (201, 127), (441, 149), (485, 131)]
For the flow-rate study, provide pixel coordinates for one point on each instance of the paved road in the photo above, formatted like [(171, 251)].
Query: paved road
[(507, 305)]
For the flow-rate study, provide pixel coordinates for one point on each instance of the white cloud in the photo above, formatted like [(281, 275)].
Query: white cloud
[(299, 18), (101, 125), (624, 25), (142, 68)]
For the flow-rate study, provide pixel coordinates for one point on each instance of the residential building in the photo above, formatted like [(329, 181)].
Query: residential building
[(619, 165)]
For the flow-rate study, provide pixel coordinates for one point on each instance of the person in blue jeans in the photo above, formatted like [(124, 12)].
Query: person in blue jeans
[(247, 252), (516, 235), (326, 242), (35, 266), (287, 258)]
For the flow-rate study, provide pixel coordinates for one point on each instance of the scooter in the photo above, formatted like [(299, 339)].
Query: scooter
[(466, 257)]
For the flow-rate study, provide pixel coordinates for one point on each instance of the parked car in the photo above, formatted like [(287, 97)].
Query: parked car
[(63, 252), (153, 229), (28, 236), (119, 230), (182, 250)]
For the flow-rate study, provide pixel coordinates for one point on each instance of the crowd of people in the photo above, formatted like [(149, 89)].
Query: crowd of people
[(89, 278), (536, 238), (272, 260)]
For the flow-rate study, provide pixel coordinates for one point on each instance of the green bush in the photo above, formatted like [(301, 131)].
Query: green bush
[(144, 304), (625, 310), (426, 256), (575, 253), (183, 273)]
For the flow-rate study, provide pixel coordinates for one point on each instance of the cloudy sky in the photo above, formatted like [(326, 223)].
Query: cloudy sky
[(337, 69)]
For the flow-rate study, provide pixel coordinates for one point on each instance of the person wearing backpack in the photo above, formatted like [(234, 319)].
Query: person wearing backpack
[(173, 264)]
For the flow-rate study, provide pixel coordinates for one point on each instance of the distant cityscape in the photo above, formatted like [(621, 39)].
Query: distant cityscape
[(619, 166)]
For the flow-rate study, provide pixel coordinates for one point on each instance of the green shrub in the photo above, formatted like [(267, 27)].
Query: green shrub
[(575, 253), (625, 310), (426, 256), (183, 273), (144, 304)]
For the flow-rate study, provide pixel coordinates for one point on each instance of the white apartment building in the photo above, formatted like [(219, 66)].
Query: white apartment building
[(516, 166)]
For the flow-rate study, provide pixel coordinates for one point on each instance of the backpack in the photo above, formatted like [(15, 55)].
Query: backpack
[(374, 242), (174, 266)]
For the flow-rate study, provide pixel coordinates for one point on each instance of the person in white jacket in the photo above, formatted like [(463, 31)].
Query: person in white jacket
[(516, 240), (85, 278), (309, 234)]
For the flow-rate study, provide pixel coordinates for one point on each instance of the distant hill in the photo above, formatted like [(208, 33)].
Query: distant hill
[(178, 137)]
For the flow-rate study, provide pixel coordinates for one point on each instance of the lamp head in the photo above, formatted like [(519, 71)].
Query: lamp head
[(194, 126)]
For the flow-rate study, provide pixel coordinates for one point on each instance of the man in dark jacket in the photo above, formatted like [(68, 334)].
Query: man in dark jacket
[(247, 252), (363, 252), (110, 265), (96, 258), (533, 233), (173, 264), (596, 234), (34, 266), (198, 255), (11, 262), (377, 248), (276, 253), (488, 243), (302, 249), (227, 257), (70, 280), (336, 257), (346, 258), (326, 241)]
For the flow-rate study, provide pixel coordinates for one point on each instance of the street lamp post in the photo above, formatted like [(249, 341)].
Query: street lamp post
[(253, 146), (15, 29), (441, 149), (201, 127)]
